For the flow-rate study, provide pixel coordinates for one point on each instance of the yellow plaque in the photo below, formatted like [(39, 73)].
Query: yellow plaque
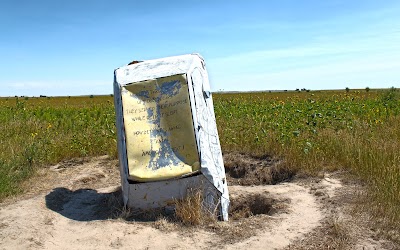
[(159, 129)]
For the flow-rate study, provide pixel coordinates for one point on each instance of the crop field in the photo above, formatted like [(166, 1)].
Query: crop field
[(357, 132)]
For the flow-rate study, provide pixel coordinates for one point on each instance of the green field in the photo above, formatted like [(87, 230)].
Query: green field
[(312, 132), (40, 131)]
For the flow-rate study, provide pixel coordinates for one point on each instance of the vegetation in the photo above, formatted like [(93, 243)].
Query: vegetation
[(317, 131), (190, 210), (43, 131), (314, 132)]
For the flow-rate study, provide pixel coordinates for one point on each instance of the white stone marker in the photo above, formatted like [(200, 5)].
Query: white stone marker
[(167, 135)]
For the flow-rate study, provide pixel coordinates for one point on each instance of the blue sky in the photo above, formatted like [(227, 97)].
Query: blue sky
[(72, 47)]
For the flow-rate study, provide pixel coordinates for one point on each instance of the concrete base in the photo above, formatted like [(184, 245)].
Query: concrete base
[(162, 193)]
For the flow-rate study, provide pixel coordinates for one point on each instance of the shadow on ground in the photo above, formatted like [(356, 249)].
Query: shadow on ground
[(84, 204), (241, 169)]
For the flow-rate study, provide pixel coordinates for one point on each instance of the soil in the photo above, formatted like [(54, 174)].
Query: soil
[(77, 204)]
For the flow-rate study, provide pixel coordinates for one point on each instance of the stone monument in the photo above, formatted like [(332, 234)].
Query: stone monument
[(167, 135)]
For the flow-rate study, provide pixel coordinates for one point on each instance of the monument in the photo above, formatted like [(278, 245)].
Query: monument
[(167, 134)]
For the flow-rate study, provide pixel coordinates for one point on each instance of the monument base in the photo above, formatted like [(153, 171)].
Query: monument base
[(161, 194)]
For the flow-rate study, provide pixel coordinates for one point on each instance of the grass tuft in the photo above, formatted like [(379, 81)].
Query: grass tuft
[(191, 210)]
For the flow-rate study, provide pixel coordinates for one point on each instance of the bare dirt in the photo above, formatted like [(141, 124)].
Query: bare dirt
[(77, 205)]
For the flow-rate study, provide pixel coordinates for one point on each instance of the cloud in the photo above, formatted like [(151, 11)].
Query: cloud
[(30, 85), (356, 73), (373, 70), (344, 45), (365, 58), (56, 88)]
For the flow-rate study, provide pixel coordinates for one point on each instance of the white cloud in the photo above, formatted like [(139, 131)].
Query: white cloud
[(376, 70), (56, 88), (367, 43), (366, 58)]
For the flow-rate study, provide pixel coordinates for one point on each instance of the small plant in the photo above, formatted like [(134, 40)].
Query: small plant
[(347, 89), (367, 89)]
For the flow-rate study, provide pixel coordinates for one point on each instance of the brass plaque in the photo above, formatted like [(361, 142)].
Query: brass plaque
[(159, 129)]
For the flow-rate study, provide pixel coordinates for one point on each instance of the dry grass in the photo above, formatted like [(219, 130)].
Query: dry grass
[(246, 206), (245, 169), (192, 210), (334, 234), (249, 214), (165, 224), (339, 233)]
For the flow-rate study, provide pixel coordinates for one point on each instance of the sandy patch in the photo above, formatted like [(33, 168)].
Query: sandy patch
[(70, 206)]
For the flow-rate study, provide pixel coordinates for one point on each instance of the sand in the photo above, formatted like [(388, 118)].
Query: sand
[(69, 207)]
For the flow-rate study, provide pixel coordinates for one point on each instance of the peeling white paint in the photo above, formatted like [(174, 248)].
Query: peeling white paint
[(167, 132)]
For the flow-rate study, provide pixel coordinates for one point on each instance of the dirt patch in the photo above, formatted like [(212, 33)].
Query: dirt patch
[(245, 206), (71, 163), (78, 204), (72, 206), (345, 225), (243, 169), (80, 173)]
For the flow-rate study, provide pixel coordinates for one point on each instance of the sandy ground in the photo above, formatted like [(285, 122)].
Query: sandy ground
[(68, 207)]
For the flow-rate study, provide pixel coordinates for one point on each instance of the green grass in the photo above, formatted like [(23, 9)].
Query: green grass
[(358, 131), (42, 131)]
